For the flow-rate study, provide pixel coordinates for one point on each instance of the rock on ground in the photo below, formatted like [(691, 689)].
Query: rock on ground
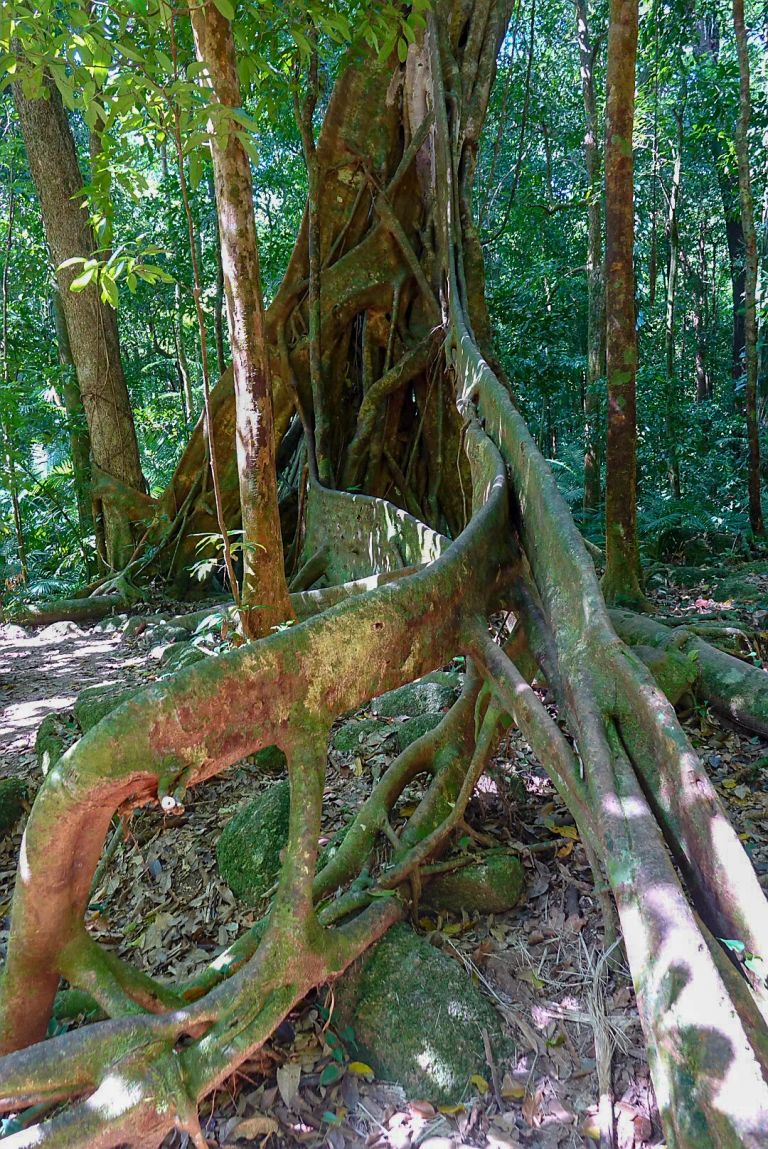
[(248, 850), (417, 1017), (13, 797), (427, 695), (492, 886)]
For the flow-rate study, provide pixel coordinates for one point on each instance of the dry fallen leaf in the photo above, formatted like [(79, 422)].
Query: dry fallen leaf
[(257, 1126), (288, 1077)]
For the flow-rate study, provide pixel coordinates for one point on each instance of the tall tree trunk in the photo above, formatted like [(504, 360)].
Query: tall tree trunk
[(182, 366), (5, 431), (621, 582), (728, 184), (77, 429), (672, 397), (264, 595), (218, 299), (750, 271), (595, 283), (92, 325), (700, 324)]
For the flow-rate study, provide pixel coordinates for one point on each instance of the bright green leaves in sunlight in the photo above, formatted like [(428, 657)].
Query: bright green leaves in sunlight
[(120, 264)]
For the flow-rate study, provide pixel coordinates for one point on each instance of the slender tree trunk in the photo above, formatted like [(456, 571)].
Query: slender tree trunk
[(92, 325), (182, 365), (709, 42), (621, 582), (218, 301), (595, 283), (762, 304), (304, 112), (700, 309), (264, 599), (7, 436), (77, 429), (750, 271), (672, 397)]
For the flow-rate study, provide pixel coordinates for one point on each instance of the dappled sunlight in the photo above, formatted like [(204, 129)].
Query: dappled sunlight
[(115, 1096)]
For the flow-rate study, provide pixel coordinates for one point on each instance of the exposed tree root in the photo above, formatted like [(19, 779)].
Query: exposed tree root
[(731, 686), (66, 610)]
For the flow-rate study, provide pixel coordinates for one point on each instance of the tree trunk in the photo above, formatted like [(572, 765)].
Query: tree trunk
[(595, 283), (264, 593), (621, 582), (92, 324), (672, 397), (182, 365), (700, 321), (77, 429), (6, 434), (750, 272), (728, 184)]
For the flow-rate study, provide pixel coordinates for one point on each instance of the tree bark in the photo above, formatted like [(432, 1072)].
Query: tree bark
[(77, 429), (595, 282), (750, 272), (672, 397), (92, 325), (621, 582), (264, 593)]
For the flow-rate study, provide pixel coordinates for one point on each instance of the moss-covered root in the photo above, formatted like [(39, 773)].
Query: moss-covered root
[(66, 610), (732, 687)]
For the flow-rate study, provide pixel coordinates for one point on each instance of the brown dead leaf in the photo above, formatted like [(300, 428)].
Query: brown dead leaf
[(288, 1077), (257, 1126)]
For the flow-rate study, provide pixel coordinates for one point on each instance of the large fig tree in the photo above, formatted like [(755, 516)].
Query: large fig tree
[(462, 518)]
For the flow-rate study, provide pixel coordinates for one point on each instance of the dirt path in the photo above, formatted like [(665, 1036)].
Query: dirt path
[(44, 671)]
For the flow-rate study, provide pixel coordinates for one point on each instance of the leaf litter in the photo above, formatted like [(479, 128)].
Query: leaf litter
[(579, 1064)]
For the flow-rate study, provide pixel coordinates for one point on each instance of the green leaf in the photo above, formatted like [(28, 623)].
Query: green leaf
[(82, 281), (109, 291), (227, 10), (332, 1073)]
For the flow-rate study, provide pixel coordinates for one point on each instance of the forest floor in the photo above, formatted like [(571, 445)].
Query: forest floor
[(567, 1009)]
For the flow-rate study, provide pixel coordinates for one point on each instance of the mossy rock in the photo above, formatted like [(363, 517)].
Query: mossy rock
[(414, 728), (493, 885), (417, 1017), (427, 695), (96, 702), (180, 654), (54, 736), (739, 588), (13, 798), (674, 673), (271, 760), (352, 735), (248, 850)]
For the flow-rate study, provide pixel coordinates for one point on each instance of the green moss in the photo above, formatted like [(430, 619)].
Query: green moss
[(248, 851), (180, 654), (96, 702), (492, 886), (427, 695), (415, 727), (54, 736), (429, 1041), (353, 734), (270, 760), (13, 798), (673, 671)]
